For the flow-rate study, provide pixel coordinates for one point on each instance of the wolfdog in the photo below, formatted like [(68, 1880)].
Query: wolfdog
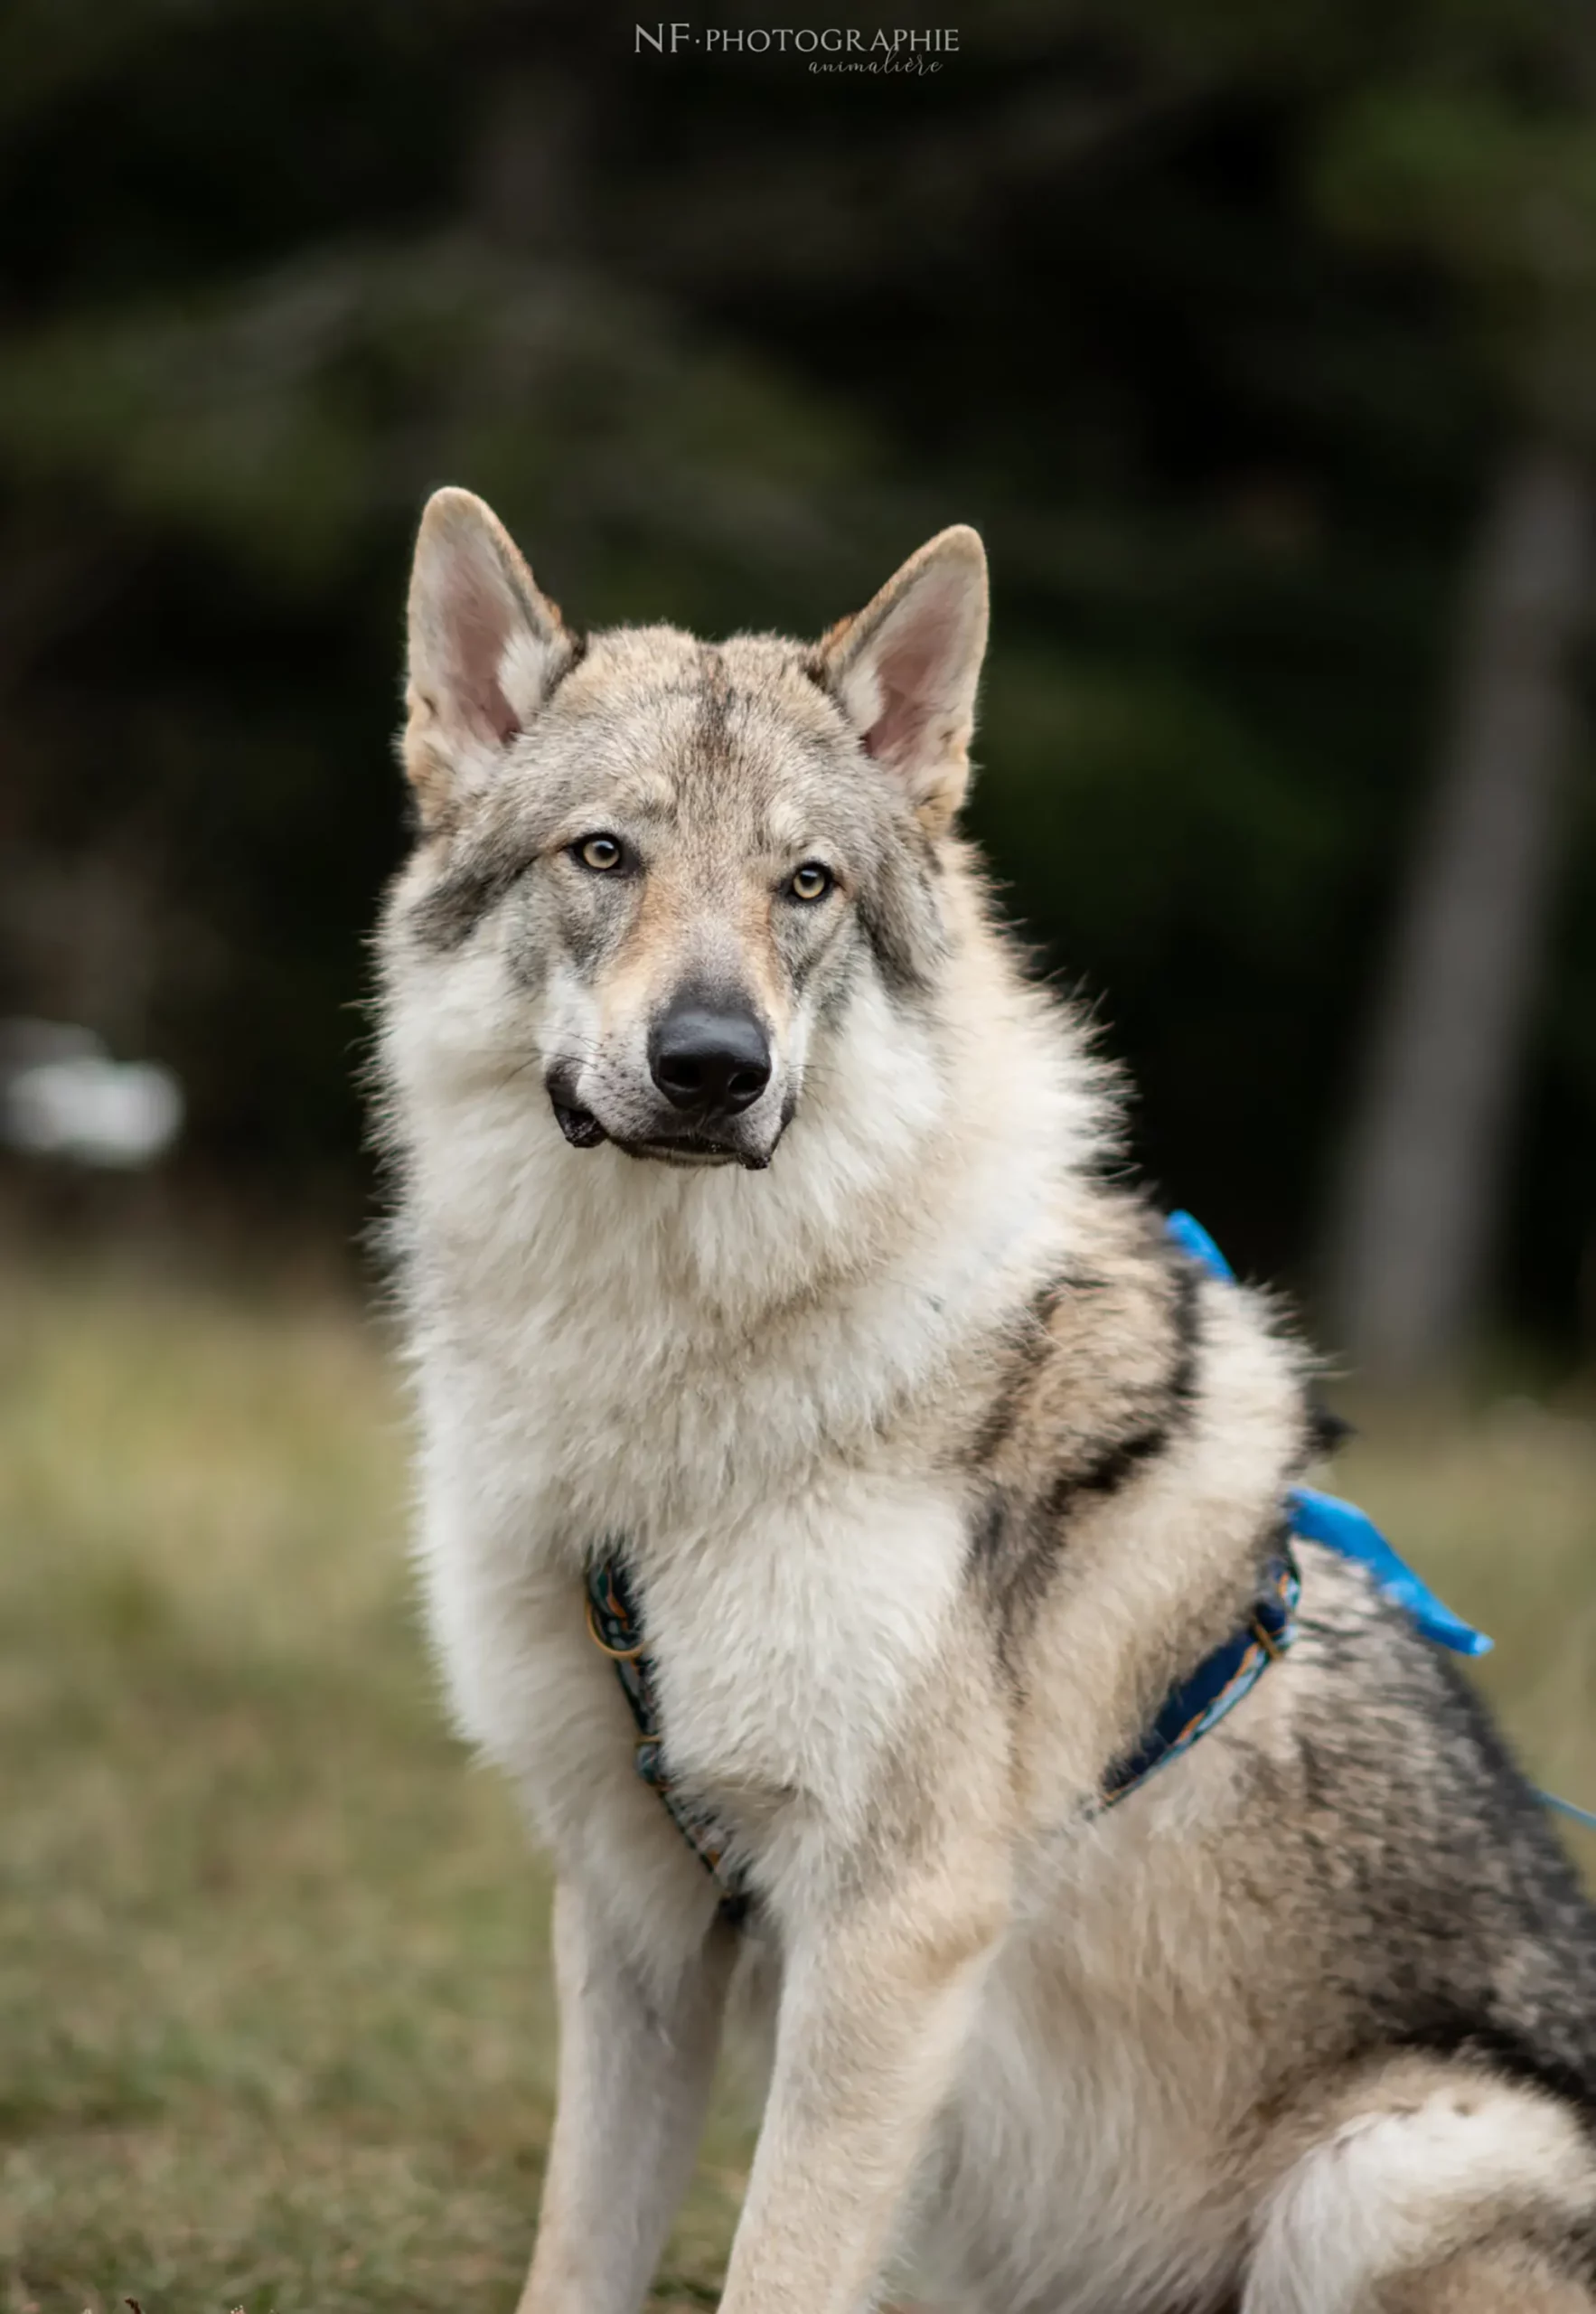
[(832, 1475)]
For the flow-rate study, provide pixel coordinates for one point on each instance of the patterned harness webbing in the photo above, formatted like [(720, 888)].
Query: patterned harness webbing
[(614, 1626), (1188, 1713), (1219, 1683)]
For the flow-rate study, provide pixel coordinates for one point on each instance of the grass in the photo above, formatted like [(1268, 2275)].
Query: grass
[(275, 2018)]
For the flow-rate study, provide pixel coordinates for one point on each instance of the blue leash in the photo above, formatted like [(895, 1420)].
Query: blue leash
[(1566, 1808), (1343, 1528)]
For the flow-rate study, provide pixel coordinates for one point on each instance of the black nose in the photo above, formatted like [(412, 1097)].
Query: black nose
[(707, 1060)]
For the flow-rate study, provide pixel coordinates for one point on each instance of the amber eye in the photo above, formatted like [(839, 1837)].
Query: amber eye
[(811, 882), (601, 852)]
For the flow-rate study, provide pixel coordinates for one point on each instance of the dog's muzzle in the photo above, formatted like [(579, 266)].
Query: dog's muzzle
[(710, 1082)]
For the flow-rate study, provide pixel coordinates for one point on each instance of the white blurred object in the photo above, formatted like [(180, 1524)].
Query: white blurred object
[(63, 1095)]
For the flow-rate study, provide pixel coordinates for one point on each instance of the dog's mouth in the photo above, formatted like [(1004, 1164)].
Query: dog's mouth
[(580, 1127), (583, 1129), (690, 1149)]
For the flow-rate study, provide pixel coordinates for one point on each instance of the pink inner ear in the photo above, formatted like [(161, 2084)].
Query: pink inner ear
[(910, 671), (478, 635)]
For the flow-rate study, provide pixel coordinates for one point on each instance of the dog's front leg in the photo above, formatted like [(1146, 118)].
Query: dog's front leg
[(877, 1997), (635, 2059)]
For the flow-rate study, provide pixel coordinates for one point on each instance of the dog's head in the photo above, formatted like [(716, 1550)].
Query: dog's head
[(675, 865)]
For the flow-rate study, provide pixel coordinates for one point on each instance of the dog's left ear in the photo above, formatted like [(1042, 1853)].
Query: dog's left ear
[(487, 646), (905, 667)]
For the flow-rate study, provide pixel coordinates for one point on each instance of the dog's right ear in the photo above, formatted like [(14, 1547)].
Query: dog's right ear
[(486, 648)]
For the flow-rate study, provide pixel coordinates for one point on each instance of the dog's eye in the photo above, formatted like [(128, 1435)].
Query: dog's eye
[(600, 852), (809, 883)]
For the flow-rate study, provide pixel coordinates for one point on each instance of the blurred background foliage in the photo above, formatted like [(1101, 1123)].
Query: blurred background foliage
[(1223, 320)]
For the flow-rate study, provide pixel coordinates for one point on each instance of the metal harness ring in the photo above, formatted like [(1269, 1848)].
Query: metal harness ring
[(615, 1654)]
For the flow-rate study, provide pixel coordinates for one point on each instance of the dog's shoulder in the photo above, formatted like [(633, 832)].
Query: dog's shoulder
[(1135, 1408)]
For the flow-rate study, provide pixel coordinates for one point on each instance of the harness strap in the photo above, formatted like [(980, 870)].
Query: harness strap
[(1188, 1713), (1340, 1525), (615, 1628), (1343, 1528), (1218, 1685)]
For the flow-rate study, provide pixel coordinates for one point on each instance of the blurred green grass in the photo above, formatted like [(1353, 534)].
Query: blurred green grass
[(275, 2019), (275, 2016)]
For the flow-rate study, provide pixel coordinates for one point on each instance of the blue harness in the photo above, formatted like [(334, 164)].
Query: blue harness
[(1220, 1682), (1188, 1713), (1341, 1526)]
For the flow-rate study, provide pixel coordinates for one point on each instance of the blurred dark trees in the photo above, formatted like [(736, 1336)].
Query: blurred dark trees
[(1227, 323), (1479, 153)]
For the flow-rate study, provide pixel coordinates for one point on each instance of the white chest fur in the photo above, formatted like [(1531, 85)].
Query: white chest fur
[(742, 1383), (787, 1651), (787, 1629)]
